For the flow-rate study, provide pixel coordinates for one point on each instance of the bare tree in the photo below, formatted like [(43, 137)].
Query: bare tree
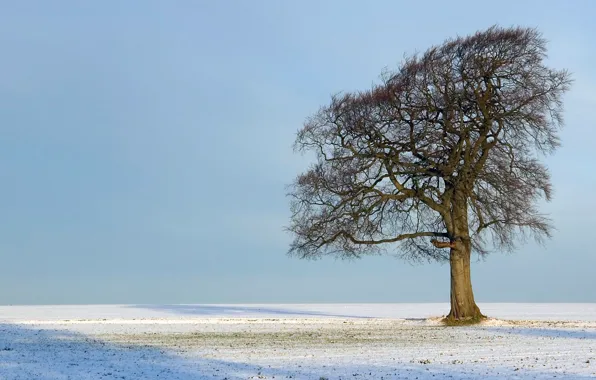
[(441, 158)]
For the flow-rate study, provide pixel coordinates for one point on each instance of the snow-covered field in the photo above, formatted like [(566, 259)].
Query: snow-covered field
[(355, 341)]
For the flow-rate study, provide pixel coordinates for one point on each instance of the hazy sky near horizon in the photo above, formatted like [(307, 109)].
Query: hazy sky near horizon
[(145, 147)]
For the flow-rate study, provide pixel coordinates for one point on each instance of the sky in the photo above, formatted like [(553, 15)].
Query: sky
[(145, 149)]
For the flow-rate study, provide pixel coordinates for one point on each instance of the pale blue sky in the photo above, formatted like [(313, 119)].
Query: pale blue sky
[(145, 146)]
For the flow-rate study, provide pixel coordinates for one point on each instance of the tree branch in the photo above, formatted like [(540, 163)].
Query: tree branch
[(443, 244), (395, 239)]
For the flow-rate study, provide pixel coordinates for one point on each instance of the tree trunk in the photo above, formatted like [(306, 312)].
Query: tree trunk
[(463, 306)]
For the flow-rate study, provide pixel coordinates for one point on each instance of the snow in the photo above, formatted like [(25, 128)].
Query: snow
[(356, 341)]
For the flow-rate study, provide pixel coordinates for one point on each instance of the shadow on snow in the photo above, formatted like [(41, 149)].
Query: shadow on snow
[(555, 333), (53, 354), (226, 311)]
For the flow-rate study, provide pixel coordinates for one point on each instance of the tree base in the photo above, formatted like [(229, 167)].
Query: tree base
[(450, 321), (473, 319)]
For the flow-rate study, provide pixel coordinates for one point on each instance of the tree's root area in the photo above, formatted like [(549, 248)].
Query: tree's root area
[(467, 321), (451, 320)]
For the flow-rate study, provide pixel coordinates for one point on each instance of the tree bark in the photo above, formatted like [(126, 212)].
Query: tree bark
[(463, 305)]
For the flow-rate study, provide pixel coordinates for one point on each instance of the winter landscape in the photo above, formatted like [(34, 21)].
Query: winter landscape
[(271, 189), (316, 341)]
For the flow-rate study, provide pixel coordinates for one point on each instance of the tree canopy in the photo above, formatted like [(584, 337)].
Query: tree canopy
[(446, 148)]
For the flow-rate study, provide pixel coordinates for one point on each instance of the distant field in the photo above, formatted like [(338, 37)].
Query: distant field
[(355, 341)]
